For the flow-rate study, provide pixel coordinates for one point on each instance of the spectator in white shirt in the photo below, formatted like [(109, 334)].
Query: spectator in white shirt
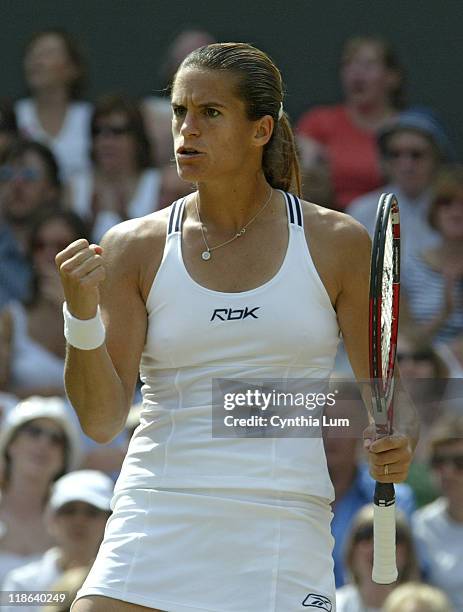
[(438, 527), (54, 114)]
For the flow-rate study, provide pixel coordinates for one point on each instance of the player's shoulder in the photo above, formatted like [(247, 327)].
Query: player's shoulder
[(134, 236), (136, 245), (334, 228)]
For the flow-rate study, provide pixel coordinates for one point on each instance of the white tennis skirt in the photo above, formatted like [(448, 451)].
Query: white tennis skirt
[(216, 551)]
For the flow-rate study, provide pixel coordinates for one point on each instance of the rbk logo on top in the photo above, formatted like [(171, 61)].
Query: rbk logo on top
[(234, 314)]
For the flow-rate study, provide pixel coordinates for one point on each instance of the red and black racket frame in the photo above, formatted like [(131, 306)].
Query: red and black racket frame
[(382, 388)]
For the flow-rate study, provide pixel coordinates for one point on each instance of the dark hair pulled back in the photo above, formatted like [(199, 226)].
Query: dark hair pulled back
[(260, 86)]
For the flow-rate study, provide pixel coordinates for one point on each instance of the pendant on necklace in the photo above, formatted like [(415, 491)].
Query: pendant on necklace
[(206, 255)]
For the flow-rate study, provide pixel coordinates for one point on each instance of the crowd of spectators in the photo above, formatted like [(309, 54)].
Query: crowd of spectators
[(71, 168)]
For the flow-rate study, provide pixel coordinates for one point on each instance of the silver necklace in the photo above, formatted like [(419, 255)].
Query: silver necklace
[(206, 255)]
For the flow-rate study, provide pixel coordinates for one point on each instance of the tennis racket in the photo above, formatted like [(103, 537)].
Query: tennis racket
[(384, 319)]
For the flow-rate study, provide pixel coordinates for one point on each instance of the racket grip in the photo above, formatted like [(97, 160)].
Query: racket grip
[(384, 533)]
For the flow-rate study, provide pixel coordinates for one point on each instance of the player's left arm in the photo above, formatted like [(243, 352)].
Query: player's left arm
[(352, 308)]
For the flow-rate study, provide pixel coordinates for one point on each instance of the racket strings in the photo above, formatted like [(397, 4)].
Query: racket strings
[(387, 299)]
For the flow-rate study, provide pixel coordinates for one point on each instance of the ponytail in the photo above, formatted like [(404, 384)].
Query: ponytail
[(280, 162)]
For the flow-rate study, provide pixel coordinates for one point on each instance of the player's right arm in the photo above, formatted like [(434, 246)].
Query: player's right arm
[(100, 382)]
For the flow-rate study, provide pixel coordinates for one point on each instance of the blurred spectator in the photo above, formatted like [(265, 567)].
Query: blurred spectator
[(362, 594), (417, 597), (29, 183), (156, 110), (339, 141), (38, 443), (432, 281), (438, 527), (69, 583), (8, 127), (123, 184), (353, 485), (413, 148), (36, 359), (78, 509), (54, 72)]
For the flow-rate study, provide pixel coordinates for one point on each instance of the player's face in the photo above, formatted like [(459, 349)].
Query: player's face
[(213, 138)]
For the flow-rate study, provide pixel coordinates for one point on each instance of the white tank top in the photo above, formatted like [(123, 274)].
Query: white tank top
[(291, 333)]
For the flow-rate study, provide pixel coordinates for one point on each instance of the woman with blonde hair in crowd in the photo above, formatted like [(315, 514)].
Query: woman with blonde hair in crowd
[(362, 594), (54, 114), (417, 597)]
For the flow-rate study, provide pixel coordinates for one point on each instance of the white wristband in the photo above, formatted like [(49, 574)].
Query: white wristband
[(84, 334)]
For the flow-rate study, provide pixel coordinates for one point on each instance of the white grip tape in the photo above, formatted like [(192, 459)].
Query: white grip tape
[(384, 560), (84, 334)]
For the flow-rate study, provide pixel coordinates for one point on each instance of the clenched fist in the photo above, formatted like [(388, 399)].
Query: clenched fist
[(81, 268)]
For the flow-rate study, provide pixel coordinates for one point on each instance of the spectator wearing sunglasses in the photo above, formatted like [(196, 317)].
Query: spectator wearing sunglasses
[(35, 362), (39, 442), (438, 527), (29, 183), (77, 512), (361, 594), (123, 183), (413, 148), (432, 296)]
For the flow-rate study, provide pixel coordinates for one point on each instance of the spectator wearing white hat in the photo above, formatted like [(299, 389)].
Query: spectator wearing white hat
[(39, 442), (77, 512)]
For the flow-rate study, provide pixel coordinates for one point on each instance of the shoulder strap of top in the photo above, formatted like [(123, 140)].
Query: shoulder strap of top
[(175, 217), (294, 209)]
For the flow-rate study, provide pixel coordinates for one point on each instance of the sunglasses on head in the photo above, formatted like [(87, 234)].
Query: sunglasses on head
[(8, 173), (111, 130), (413, 154), (37, 431), (439, 461)]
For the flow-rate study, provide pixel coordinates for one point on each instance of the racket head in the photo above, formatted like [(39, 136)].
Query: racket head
[(384, 309)]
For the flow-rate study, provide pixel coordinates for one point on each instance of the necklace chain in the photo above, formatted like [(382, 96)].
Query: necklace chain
[(206, 255)]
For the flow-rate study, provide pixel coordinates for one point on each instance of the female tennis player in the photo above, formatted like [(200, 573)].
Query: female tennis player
[(237, 280)]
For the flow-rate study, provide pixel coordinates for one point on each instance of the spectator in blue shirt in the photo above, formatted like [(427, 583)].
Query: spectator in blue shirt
[(28, 183)]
